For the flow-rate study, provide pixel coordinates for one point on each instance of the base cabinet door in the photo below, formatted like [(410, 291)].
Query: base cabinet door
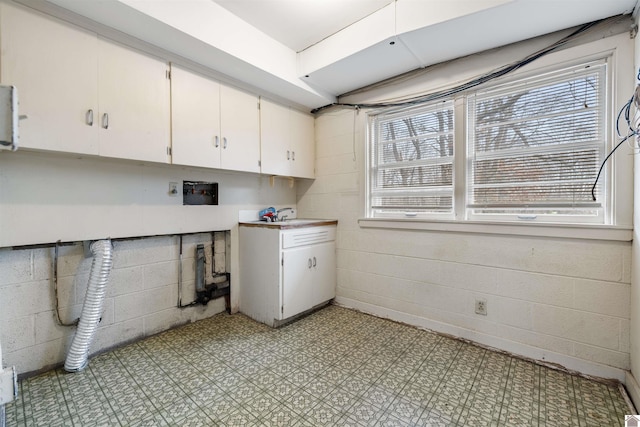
[(308, 277), (323, 263), (297, 277)]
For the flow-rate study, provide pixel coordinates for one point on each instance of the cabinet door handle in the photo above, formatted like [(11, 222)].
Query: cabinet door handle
[(217, 141), (89, 117), (288, 155), (224, 142), (105, 121), (314, 261), (309, 263), (293, 156)]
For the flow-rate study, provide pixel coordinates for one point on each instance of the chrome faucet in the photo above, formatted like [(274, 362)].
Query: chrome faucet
[(284, 217)]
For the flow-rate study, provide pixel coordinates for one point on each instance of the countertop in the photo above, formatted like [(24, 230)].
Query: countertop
[(292, 223)]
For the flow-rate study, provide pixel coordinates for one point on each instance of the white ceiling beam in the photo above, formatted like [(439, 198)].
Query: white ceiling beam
[(207, 34), (393, 20)]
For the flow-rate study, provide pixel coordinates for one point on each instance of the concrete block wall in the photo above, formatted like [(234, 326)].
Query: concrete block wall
[(141, 298), (560, 300)]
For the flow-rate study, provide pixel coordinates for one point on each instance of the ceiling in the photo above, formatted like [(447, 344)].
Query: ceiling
[(307, 52), (299, 24)]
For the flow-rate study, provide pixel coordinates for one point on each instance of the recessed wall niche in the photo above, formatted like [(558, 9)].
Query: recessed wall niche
[(199, 193)]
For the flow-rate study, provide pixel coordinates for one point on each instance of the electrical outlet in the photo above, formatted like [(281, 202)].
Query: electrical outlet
[(173, 189), (481, 307)]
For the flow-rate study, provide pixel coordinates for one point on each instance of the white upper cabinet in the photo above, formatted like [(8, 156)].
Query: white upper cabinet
[(195, 119), (287, 141), (82, 94), (213, 125), (275, 147), (303, 146), (54, 67), (240, 127), (134, 104)]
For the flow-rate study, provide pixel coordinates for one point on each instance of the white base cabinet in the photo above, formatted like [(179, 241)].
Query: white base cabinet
[(285, 272)]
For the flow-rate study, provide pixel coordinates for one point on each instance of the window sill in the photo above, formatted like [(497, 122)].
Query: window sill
[(566, 231)]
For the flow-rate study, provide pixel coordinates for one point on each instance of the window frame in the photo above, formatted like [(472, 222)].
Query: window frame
[(547, 76), (374, 147), (617, 50)]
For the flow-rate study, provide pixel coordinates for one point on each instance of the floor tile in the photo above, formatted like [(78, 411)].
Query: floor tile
[(240, 418), (365, 413), (181, 412), (301, 402), (323, 415), (405, 411), (334, 367), (281, 416), (340, 399)]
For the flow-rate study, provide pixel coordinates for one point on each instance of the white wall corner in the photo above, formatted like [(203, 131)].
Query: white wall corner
[(630, 381)]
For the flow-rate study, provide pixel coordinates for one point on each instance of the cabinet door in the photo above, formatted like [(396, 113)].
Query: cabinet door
[(195, 119), (275, 152), (134, 104), (54, 67), (240, 128), (303, 147), (297, 276), (324, 272)]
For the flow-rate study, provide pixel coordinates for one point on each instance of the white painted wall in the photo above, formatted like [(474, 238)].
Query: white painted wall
[(633, 387), (48, 197), (45, 198), (561, 300)]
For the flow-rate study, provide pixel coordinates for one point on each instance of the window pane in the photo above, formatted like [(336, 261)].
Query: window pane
[(412, 203), (413, 153), (538, 142), (415, 177), (539, 131), (417, 149)]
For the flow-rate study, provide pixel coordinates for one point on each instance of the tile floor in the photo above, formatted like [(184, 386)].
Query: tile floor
[(336, 367)]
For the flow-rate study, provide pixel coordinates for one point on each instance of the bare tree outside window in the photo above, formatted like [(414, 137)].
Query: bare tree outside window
[(533, 147), (538, 146), (415, 160)]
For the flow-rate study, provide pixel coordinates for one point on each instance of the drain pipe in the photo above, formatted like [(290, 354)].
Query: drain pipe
[(77, 358)]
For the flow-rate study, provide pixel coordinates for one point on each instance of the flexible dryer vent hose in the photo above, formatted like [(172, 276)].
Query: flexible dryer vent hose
[(77, 358)]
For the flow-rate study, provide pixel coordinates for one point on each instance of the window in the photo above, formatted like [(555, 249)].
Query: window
[(531, 151), (412, 161), (535, 146)]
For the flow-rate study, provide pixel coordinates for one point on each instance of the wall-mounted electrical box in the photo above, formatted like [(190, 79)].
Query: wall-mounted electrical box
[(199, 193)]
